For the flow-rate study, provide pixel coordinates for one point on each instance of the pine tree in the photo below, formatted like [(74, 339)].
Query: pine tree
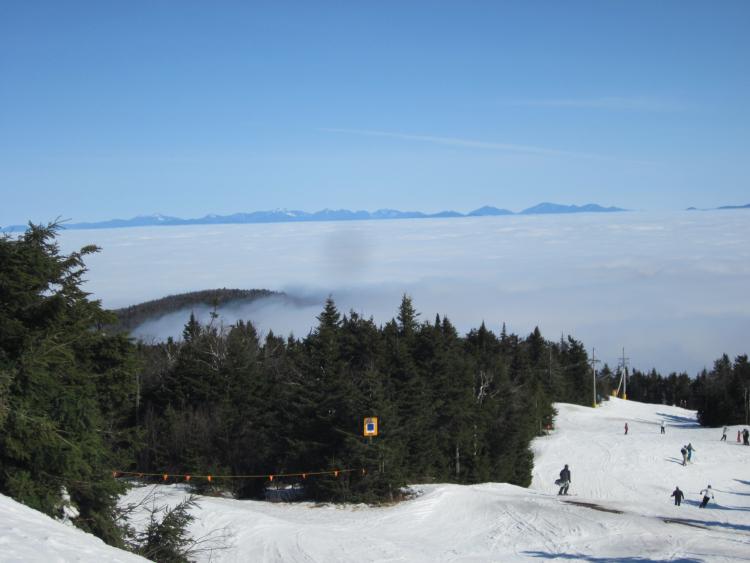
[(407, 317), (68, 384)]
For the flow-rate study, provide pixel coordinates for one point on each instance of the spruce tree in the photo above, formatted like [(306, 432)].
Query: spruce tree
[(70, 387)]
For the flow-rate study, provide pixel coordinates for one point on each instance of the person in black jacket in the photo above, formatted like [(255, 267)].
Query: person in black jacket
[(564, 480), (678, 496)]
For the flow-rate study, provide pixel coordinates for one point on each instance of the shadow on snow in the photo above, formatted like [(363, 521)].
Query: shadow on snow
[(673, 460), (679, 421), (709, 524), (582, 557), (715, 506)]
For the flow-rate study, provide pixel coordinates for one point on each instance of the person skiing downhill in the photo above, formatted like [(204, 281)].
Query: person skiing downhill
[(724, 435), (684, 452), (678, 496), (626, 428), (707, 495), (746, 436), (662, 427), (690, 449), (564, 480)]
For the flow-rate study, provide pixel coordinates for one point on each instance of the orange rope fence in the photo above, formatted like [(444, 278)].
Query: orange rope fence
[(188, 477)]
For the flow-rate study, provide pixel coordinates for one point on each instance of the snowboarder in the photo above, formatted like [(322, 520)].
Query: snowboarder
[(707, 495), (564, 480), (684, 452), (724, 435), (662, 428), (678, 496), (690, 449), (746, 436), (626, 428)]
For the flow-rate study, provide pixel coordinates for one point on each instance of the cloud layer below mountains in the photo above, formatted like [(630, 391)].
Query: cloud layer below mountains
[(672, 289)]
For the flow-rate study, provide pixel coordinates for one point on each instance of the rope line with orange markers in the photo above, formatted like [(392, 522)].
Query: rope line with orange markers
[(165, 476)]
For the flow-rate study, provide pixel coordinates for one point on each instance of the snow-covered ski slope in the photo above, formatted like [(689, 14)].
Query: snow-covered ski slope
[(619, 509), (28, 536)]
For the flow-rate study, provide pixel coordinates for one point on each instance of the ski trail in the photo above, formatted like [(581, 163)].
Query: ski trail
[(620, 509)]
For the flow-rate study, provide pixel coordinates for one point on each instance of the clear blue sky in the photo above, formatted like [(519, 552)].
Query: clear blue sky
[(114, 109)]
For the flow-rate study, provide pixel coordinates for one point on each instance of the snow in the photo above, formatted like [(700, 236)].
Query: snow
[(619, 509), (28, 536)]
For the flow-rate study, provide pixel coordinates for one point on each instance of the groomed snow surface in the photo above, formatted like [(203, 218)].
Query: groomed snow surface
[(619, 508)]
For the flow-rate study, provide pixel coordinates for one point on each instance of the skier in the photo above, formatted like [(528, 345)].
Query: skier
[(662, 427), (724, 435), (708, 494), (738, 436), (690, 449), (626, 428), (564, 480), (684, 452), (678, 496), (746, 436)]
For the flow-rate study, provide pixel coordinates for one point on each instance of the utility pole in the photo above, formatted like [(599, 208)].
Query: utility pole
[(593, 362)]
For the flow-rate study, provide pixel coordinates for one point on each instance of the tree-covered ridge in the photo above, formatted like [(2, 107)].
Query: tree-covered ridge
[(129, 318)]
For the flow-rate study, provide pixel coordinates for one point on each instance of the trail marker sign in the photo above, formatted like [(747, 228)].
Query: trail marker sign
[(371, 426)]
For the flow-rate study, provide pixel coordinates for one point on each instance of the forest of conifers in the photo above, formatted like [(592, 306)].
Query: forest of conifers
[(78, 401)]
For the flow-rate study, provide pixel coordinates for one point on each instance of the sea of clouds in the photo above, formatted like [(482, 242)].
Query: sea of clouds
[(671, 288)]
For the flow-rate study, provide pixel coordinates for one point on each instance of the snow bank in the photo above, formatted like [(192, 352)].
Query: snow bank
[(29, 536)]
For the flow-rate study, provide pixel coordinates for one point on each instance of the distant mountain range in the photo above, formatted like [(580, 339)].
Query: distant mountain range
[(291, 216), (722, 207)]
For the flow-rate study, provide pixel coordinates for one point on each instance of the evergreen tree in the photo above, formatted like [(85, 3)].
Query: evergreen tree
[(576, 373), (407, 317), (719, 395), (68, 384)]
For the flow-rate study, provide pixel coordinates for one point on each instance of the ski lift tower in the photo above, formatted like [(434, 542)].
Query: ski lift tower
[(593, 361), (623, 369)]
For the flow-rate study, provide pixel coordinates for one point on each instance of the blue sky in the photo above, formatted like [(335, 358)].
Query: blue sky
[(186, 108)]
